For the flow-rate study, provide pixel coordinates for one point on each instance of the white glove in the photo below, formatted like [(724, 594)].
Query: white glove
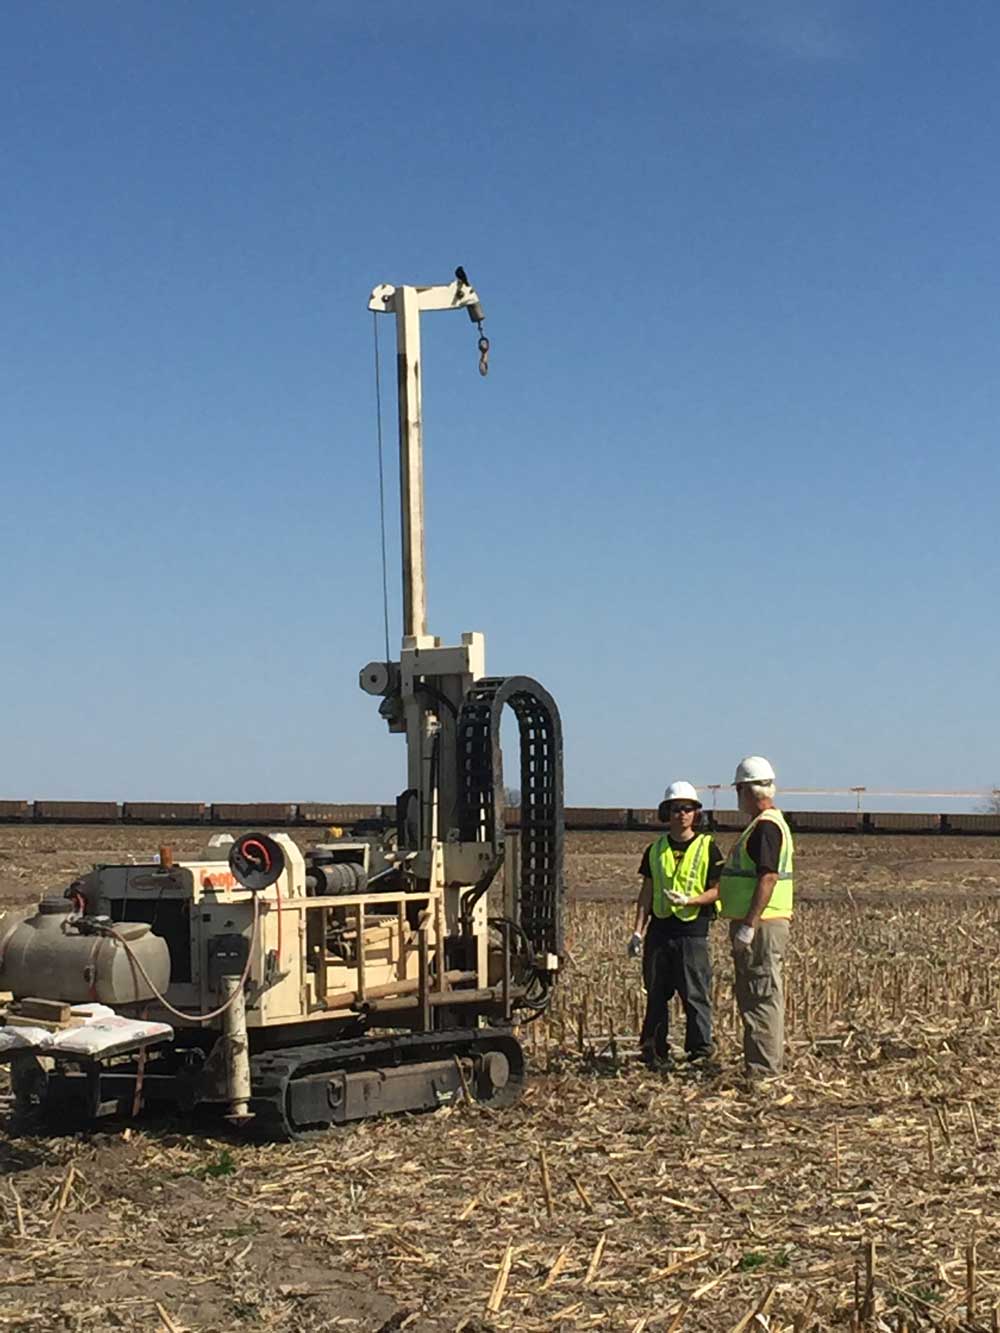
[(675, 898), (743, 937), (635, 945)]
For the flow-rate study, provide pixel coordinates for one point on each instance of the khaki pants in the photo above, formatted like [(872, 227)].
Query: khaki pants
[(760, 994)]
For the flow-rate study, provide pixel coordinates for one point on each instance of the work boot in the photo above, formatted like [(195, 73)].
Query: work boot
[(702, 1064), (761, 1083), (656, 1062)]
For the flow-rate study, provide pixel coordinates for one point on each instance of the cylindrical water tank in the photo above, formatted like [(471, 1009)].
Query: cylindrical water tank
[(46, 957)]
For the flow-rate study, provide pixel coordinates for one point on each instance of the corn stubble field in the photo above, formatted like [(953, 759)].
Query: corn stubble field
[(862, 1192)]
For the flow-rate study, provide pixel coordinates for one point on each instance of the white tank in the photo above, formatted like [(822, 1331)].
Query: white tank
[(46, 957)]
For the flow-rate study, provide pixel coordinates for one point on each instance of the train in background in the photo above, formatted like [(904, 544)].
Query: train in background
[(320, 814), (800, 821), (281, 814)]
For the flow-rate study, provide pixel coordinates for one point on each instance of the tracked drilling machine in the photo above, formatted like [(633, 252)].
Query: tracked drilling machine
[(385, 970)]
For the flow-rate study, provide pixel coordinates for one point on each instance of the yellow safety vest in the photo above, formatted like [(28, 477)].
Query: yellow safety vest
[(688, 875), (740, 875)]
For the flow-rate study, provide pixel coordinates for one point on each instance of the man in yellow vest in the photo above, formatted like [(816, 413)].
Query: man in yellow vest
[(680, 879), (756, 895)]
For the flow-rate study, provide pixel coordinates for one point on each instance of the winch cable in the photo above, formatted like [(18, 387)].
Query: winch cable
[(481, 803), (159, 996), (381, 481)]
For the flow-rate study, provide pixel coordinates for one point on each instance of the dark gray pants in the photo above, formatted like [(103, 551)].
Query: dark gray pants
[(677, 966)]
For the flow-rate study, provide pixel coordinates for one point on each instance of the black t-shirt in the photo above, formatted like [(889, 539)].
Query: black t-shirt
[(764, 847), (672, 926)]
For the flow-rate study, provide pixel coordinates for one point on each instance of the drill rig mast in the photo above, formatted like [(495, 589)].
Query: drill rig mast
[(451, 817), (300, 989)]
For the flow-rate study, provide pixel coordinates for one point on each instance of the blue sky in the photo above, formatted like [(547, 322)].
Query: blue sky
[(730, 487)]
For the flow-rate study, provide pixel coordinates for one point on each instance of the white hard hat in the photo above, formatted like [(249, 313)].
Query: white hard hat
[(754, 768), (681, 791)]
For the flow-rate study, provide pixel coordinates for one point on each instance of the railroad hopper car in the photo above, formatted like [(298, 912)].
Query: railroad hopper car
[(982, 824), (77, 812), (824, 821), (164, 812), (727, 821), (592, 817), (898, 821), (329, 813), (266, 812)]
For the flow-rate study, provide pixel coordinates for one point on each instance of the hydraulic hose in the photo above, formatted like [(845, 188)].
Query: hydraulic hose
[(538, 980)]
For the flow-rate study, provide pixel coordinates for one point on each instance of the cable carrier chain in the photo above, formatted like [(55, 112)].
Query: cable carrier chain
[(387, 968)]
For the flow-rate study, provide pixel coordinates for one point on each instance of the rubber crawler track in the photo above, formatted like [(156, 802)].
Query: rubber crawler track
[(273, 1072)]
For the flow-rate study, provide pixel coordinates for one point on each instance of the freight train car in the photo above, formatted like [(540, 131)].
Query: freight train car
[(14, 812), (896, 821), (823, 821), (594, 817), (644, 818), (327, 813), (164, 812), (77, 812), (728, 821), (263, 812), (982, 824)]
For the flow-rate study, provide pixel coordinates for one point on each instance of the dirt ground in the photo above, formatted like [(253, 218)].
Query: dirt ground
[(828, 867), (672, 1203), (36, 859)]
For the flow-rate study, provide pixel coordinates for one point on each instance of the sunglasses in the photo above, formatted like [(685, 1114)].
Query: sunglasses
[(684, 809)]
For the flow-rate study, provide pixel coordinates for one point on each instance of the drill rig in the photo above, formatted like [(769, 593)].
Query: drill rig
[(379, 971)]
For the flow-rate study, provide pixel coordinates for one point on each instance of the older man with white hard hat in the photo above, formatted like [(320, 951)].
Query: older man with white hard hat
[(680, 884), (756, 894)]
